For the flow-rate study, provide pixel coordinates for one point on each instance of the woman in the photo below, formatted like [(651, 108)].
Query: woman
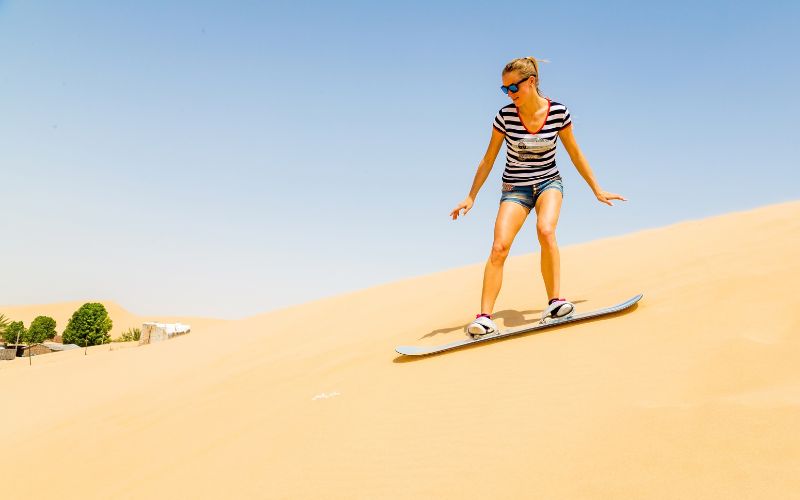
[(529, 126)]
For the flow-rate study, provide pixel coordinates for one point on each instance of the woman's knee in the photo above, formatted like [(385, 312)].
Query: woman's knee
[(546, 232), (500, 251)]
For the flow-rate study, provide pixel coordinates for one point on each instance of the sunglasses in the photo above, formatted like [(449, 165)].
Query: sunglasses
[(514, 87)]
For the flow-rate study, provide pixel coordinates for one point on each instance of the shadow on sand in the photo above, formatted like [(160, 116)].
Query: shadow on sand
[(511, 319)]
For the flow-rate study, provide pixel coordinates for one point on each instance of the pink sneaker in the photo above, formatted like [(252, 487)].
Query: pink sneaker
[(558, 308), (483, 325)]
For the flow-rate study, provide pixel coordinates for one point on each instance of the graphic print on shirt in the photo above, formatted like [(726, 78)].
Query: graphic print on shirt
[(531, 156), (531, 147)]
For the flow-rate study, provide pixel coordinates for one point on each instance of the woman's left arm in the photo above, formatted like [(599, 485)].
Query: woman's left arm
[(575, 154)]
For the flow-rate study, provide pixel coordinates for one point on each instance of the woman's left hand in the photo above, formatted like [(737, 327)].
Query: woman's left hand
[(606, 197)]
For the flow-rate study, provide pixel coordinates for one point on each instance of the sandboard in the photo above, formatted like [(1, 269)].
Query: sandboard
[(410, 350)]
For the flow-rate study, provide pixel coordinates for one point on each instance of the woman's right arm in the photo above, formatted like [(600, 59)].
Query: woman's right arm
[(484, 168)]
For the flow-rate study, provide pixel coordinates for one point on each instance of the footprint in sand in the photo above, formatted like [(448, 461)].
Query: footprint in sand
[(325, 395)]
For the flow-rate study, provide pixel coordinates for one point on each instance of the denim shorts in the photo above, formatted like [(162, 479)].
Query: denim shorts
[(527, 195)]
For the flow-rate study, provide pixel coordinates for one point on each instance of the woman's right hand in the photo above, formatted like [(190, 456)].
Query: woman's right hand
[(465, 205)]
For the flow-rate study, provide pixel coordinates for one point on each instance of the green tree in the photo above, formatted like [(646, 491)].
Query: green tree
[(41, 329), (131, 334), (12, 330), (89, 325), (4, 322)]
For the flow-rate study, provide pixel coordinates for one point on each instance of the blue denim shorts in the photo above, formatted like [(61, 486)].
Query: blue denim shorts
[(527, 195)]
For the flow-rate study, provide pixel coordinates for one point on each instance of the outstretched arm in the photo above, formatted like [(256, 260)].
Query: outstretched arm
[(484, 168), (575, 154)]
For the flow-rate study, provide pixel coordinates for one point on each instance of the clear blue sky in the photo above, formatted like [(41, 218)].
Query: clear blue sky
[(229, 158)]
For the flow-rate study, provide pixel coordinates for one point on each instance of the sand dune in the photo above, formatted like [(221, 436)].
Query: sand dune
[(122, 318), (694, 394)]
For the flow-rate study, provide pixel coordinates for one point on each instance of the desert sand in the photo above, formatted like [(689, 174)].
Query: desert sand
[(695, 393)]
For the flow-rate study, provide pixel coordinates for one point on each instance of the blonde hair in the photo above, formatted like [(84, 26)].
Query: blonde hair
[(526, 67)]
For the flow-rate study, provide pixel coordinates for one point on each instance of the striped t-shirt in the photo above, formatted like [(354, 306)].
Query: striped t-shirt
[(531, 155)]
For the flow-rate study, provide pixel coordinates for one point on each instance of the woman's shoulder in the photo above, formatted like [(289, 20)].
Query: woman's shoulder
[(558, 108), (508, 108)]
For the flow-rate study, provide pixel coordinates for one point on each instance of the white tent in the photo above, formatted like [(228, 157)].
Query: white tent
[(156, 332)]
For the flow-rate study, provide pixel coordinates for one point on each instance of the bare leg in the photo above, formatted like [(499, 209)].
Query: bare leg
[(548, 208), (510, 218)]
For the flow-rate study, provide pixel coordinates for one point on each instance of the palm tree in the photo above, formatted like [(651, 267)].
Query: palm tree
[(4, 322)]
